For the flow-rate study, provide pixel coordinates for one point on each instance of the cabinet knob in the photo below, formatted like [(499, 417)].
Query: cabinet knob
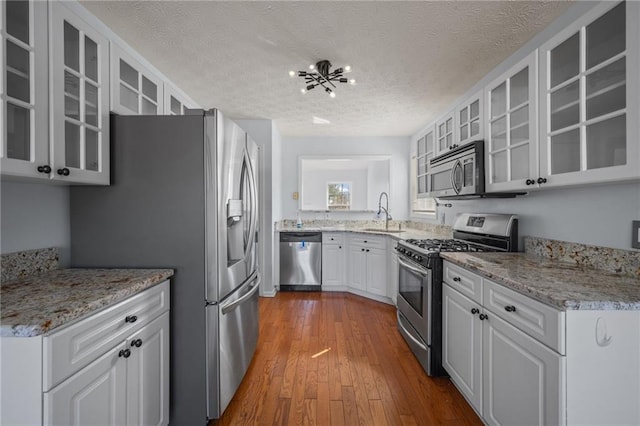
[(530, 181), (131, 318), (137, 343), (339, 247), (483, 317), (510, 308), (64, 172), (475, 311), (361, 249), (367, 250), (44, 169), (542, 180), (456, 279), (365, 241), (124, 353)]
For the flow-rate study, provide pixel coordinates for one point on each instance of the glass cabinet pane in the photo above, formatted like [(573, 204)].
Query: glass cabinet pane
[(565, 60), (606, 36), (449, 125), (607, 143), (464, 132), (565, 108), (18, 132), (71, 95), (71, 47), (129, 75), (128, 98), (149, 89), (18, 72), (421, 146), (464, 116), (520, 162), (474, 110), (149, 108), (606, 90), (519, 88), (91, 150), (91, 104), (499, 173), (499, 100), (429, 142), (176, 106), (475, 128), (565, 152), (72, 145), (17, 19), (499, 134), (90, 59), (519, 125)]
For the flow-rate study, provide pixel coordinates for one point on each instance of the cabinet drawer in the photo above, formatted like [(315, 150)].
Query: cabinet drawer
[(464, 281), (332, 238), (368, 241), (540, 321), (74, 347)]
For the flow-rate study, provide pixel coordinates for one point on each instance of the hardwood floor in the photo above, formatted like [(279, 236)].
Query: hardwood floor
[(338, 359)]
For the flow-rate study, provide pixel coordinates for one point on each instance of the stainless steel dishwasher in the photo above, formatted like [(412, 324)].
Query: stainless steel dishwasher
[(300, 261)]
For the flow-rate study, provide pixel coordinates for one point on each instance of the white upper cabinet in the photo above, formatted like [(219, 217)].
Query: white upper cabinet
[(511, 160), (23, 89), (425, 152), (79, 88), (175, 103), (135, 90), (445, 131), (589, 94), (470, 120)]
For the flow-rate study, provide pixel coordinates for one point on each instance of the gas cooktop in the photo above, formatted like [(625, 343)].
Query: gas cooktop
[(438, 245)]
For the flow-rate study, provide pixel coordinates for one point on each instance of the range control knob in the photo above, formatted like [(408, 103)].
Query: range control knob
[(419, 258)]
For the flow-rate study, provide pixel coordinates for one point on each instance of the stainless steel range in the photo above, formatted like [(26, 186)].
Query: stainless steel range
[(420, 279)]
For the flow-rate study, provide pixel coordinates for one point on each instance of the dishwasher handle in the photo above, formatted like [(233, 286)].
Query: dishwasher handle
[(298, 237)]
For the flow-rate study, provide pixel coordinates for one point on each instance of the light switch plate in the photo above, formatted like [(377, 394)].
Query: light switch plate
[(635, 234)]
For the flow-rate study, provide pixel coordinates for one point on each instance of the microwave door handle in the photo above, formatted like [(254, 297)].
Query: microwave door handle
[(457, 164)]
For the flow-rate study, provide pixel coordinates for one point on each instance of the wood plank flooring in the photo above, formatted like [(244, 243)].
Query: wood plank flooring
[(338, 359)]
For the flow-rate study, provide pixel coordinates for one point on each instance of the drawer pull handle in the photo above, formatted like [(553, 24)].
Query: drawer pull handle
[(456, 279), (131, 318), (124, 353), (137, 343), (483, 317), (475, 311), (510, 308)]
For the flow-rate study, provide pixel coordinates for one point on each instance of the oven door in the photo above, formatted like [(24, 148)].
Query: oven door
[(415, 290)]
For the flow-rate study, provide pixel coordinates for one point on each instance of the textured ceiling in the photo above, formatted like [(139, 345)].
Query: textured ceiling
[(410, 59)]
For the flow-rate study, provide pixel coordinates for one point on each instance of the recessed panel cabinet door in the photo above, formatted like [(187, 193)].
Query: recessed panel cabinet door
[(79, 86), (333, 265), (523, 379), (377, 271), (148, 374), (357, 268), (96, 395)]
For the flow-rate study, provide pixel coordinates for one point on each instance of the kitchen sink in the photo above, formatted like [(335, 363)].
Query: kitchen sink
[(390, 231)]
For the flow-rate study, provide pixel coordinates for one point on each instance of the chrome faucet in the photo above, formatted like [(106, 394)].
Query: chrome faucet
[(386, 209)]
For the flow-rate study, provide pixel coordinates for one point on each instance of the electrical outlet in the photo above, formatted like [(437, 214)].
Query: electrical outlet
[(635, 234)]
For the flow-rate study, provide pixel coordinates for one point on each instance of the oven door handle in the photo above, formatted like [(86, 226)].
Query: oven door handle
[(412, 268), (408, 333)]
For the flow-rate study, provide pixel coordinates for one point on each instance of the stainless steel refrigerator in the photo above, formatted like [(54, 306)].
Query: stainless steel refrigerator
[(184, 195)]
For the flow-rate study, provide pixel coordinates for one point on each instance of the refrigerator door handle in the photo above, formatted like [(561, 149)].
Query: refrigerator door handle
[(231, 306), (253, 224)]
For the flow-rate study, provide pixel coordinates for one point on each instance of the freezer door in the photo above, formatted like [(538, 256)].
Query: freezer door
[(238, 337)]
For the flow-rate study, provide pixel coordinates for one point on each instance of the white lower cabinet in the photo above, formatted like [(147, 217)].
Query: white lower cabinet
[(521, 362), (367, 267), (333, 261), (84, 377)]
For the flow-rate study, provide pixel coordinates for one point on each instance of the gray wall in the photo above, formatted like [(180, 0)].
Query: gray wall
[(598, 215), (34, 215)]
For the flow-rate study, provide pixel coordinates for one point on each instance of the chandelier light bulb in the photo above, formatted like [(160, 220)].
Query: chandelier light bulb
[(303, 91), (332, 94), (352, 81), (312, 67), (292, 73), (347, 68)]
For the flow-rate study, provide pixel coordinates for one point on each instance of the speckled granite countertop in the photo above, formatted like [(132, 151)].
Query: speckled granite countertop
[(563, 285), (404, 235), (37, 304)]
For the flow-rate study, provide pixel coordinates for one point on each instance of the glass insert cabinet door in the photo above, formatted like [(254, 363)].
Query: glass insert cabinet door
[(23, 88), (589, 129), (80, 81), (511, 134)]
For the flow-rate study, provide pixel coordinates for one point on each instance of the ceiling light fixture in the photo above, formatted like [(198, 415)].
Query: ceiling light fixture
[(320, 75)]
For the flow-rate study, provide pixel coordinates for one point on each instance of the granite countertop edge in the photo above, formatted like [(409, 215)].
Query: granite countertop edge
[(554, 297), (402, 235), (46, 320)]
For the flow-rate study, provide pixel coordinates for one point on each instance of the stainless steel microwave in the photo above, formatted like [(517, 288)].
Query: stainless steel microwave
[(459, 172)]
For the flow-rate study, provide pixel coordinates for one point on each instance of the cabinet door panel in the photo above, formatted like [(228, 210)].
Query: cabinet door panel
[(148, 374), (79, 87), (357, 268), (462, 344), (523, 379), (333, 265), (377, 271), (96, 395)]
